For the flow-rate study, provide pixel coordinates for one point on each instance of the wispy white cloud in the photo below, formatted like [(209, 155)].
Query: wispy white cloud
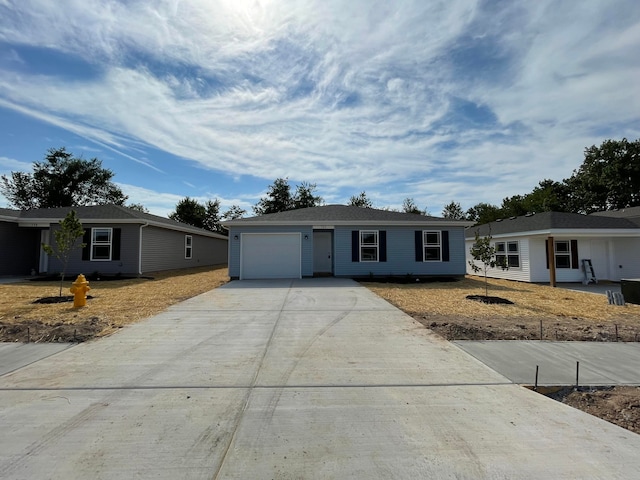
[(8, 165), (454, 99)]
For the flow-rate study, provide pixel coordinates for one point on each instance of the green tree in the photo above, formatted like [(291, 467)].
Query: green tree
[(360, 200), (483, 213), (513, 206), (484, 252), (609, 177), (278, 199), (66, 240), (212, 217), (233, 212), (454, 211), (61, 180), (409, 206), (191, 212), (549, 196), (138, 207), (304, 196)]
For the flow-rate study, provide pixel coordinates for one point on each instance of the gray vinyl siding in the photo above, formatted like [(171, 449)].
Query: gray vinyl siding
[(234, 246), (164, 249), (126, 265), (401, 256), (20, 249)]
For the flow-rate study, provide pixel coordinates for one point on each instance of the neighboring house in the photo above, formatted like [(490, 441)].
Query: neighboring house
[(531, 243), (345, 241), (118, 240)]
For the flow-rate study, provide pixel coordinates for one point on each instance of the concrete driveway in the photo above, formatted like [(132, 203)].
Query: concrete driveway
[(308, 379)]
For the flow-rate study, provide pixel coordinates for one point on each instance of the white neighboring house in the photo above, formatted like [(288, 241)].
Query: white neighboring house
[(611, 240)]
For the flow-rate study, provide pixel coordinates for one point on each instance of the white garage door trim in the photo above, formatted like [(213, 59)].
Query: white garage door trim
[(270, 255)]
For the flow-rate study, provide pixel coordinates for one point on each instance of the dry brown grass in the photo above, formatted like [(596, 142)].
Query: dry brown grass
[(530, 300), (114, 303)]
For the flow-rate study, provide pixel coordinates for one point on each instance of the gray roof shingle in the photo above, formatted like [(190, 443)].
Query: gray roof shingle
[(101, 213), (342, 214), (630, 212), (550, 221)]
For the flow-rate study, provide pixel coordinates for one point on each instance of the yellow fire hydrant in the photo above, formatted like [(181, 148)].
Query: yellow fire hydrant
[(79, 288)]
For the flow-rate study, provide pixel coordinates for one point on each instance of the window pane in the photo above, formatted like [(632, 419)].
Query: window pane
[(369, 238), (500, 247), (101, 235), (562, 247), (432, 253), (188, 240), (432, 238), (514, 261), (501, 261), (563, 261), (187, 252), (512, 246), (101, 252), (368, 254)]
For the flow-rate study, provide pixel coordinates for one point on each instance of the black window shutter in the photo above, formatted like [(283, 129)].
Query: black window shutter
[(115, 244), (445, 245), (574, 254), (86, 239), (419, 249), (383, 245), (546, 251), (355, 246)]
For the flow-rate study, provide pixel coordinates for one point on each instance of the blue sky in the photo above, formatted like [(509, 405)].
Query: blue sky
[(445, 100)]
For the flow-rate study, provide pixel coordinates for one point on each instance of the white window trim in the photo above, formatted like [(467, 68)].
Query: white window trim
[(369, 245), (506, 253), (109, 244), (431, 245), (188, 247)]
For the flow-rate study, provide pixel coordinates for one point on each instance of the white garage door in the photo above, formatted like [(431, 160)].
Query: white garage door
[(270, 255)]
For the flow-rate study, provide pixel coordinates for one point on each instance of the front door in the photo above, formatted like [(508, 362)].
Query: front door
[(322, 253)]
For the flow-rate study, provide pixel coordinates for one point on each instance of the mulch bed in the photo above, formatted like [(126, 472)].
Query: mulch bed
[(58, 299), (490, 300)]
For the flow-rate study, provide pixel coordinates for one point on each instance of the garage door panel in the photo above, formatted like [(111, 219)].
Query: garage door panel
[(270, 255)]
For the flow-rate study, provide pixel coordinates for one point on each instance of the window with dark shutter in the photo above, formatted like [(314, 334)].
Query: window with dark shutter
[(383, 245), (355, 246), (418, 243), (117, 234), (445, 245), (574, 254)]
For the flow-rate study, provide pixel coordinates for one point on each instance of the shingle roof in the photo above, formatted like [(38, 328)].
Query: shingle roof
[(342, 214), (101, 214), (550, 221), (629, 212)]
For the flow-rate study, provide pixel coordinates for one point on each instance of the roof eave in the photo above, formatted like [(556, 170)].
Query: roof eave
[(573, 232), (328, 223), (46, 222)]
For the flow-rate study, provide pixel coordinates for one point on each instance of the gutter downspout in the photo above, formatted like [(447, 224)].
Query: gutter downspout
[(140, 248)]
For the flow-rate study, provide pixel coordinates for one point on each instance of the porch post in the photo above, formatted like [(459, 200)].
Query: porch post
[(552, 261)]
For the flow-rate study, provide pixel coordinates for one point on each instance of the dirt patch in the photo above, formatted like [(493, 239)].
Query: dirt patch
[(114, 304), (619, 405)]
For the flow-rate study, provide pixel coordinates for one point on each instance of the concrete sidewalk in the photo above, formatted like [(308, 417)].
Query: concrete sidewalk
[(600, 363), (309, 379)]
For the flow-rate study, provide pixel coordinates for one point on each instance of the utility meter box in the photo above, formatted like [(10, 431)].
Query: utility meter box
[(630, 288)]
